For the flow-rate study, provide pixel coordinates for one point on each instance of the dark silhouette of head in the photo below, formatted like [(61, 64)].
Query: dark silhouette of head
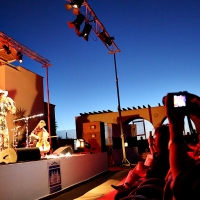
[(161, 136)]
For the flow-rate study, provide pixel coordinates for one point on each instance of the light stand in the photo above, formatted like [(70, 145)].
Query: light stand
[(104, 36), (48, 105), (125, 162), (16, 133)]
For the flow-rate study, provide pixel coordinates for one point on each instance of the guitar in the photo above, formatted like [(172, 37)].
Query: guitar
[(8, 156)]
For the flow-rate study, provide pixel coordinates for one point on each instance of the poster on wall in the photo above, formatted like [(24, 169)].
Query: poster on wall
[(54, 176)]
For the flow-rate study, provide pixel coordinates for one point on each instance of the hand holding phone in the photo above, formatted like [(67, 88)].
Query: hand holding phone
[(177, 100)]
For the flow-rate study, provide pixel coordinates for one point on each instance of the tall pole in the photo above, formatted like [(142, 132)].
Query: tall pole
[(125, 162), (104, 36), (48, 106)]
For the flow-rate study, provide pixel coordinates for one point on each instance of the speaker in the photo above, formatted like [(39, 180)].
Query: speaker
[(28, 154), (94, 134), (132, 141), (117, 142), (63, 150)]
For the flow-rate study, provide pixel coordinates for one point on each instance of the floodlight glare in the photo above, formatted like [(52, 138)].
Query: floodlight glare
[(81, 143), (76, 4), (19, 57)]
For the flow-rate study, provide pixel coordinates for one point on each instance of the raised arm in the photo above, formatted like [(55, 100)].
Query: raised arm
[(179, 158)]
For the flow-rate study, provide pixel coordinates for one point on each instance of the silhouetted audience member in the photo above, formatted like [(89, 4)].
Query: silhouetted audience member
[(184, 177), (158, 168), (188, 138), (142, 145)]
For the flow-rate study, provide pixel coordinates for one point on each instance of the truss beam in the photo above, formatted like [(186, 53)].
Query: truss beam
[(23, 49), (90, 17)]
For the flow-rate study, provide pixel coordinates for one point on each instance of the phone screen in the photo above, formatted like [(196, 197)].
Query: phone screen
[(179, 101)]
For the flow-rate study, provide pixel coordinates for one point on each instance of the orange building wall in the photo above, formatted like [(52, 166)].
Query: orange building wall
[(155, 115), (26, 89)]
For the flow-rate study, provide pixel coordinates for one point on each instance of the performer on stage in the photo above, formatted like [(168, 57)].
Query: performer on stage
[(7, 105), (41, 134)]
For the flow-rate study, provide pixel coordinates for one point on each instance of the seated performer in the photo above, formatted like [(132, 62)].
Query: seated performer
[(7, 105), (41, 134)]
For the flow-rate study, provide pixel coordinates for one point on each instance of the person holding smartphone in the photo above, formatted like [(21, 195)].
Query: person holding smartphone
[(184, 179)]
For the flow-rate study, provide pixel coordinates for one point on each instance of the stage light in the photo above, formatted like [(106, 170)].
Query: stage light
[(19, 57), (76, 4), (6, 48), (77, 23), (68, 6), (81, 143), (105, 38), (86, 31)]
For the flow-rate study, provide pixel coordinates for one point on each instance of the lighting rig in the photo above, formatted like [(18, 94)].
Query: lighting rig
[(21, 49), (93, 23)]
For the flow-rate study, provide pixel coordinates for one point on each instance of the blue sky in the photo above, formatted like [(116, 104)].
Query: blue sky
[(159, 43)]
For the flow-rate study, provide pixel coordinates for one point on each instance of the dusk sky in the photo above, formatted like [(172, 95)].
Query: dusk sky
[(159, 42)]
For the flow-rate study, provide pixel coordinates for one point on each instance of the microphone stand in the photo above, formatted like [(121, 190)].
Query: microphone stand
[(16, 133), (26, 122)]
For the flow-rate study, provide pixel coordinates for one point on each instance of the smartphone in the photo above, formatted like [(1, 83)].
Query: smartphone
[(179, 100)]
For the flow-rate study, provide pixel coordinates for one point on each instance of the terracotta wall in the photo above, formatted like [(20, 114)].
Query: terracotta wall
[(26, 89)]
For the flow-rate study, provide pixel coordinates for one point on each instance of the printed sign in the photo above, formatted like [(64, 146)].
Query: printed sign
[(54, 177)]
